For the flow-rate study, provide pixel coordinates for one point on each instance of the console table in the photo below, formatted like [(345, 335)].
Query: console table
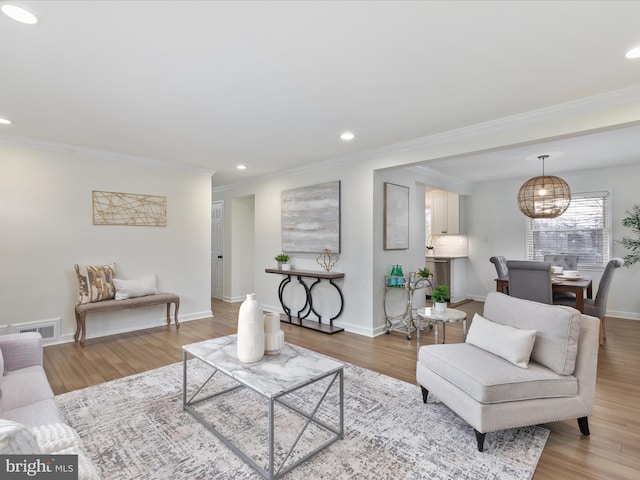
[(307, 308)]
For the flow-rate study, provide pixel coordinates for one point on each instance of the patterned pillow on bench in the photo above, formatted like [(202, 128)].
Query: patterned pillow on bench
[(95, 283)]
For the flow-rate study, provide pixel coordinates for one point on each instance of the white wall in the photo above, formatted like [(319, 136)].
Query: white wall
[(356, 250), (497, 227), (242, 247), (46, 218), (494, 224), (411, 259), (362, 257)]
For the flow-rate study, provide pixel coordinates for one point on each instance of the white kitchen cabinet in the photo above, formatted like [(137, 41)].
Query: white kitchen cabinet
[(445, 213)]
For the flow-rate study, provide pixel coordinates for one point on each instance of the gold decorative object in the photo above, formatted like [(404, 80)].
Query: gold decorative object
[(113, 208), (544, 197), (327, 259)]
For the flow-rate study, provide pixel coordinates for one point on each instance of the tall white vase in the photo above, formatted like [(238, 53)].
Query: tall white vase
[(273, 336), (250, 331)]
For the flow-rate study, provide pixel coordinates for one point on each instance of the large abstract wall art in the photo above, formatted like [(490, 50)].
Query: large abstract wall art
[(310, 218)]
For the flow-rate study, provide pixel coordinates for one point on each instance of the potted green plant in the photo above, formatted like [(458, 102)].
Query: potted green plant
[(283, 261), (424, 273), (632, 221), (439, 297), (423, 277)]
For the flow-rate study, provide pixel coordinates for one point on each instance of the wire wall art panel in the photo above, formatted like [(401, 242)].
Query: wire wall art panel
[(114, 208)]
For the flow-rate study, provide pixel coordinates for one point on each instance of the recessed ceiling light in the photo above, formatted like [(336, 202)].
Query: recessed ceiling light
[(347, 136), (5, 121), (241, 167), (19, 14), (633, 53)]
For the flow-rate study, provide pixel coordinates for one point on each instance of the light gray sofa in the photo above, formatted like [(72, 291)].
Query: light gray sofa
[(491, 393), (30, 421), (25, 394)]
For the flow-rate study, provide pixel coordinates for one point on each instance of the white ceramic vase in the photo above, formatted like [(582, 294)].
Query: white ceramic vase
[(250, 331), (273, 336)]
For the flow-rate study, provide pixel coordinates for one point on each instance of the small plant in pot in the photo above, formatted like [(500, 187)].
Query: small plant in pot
[(439, 297), (283, 261), (424, 273)]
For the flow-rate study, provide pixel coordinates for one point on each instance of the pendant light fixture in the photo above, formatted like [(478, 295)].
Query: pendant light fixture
[(545, 196)]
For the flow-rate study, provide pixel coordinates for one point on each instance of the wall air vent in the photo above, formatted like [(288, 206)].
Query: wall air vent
[(49, 329)]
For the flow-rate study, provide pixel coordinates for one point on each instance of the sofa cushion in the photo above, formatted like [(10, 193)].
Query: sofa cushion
[(16, 439), (490, 379), (557, 327), (34, 414), (512, 344), (95, 283), (135, 288), (24, 387)]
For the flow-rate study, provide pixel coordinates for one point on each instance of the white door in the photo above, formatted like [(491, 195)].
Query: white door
[(217, 235)]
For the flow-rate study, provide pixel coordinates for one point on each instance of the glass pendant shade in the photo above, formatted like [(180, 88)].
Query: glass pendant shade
[(544, 197)]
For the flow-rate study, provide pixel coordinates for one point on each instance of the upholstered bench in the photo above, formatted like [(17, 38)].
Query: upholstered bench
[(113, 305)]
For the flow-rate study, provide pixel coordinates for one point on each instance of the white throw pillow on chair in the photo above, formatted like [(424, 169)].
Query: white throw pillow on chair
[(512, 344)]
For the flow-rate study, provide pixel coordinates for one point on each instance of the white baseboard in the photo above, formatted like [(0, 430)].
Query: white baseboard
[(234, 299), (68, 337), (625, 315)]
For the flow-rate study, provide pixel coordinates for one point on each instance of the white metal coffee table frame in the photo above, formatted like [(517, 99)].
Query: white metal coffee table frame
[(451, 315), (220, 354)]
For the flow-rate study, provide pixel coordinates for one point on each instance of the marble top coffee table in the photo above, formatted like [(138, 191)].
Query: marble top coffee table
[(273, 378)]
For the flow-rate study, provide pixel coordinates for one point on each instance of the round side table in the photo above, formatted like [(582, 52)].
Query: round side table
[(449, 316)]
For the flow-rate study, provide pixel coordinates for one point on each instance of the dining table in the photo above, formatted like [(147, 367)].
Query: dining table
[(559, 283)]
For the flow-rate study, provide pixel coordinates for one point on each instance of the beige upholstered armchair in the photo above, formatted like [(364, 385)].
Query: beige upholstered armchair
[(523, 363)]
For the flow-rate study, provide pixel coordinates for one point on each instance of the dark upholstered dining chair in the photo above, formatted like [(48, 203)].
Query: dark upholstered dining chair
[(501, 269), (597, 307), (501, 266), (567, 262), (530, 280)]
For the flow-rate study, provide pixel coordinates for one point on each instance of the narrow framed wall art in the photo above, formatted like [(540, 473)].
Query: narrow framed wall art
[(396, 217)]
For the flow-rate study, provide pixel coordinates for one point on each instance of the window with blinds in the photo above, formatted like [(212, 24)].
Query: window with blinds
[(583, 230)]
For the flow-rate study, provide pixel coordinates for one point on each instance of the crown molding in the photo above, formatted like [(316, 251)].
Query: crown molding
[(67, 149), (581, 106)]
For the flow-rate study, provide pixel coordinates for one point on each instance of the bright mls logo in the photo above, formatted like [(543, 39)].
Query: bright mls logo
[(50, 467)]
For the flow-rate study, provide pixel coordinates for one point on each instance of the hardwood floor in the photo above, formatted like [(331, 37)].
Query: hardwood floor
[(611, 452)]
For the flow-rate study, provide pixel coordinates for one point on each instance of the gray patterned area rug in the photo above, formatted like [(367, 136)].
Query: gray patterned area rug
[(135, 428)]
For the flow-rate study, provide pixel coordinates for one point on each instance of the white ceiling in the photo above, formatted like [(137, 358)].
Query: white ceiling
[(273, 84)]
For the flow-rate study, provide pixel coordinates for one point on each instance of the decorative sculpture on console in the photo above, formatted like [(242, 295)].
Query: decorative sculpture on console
[(327, 259)]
